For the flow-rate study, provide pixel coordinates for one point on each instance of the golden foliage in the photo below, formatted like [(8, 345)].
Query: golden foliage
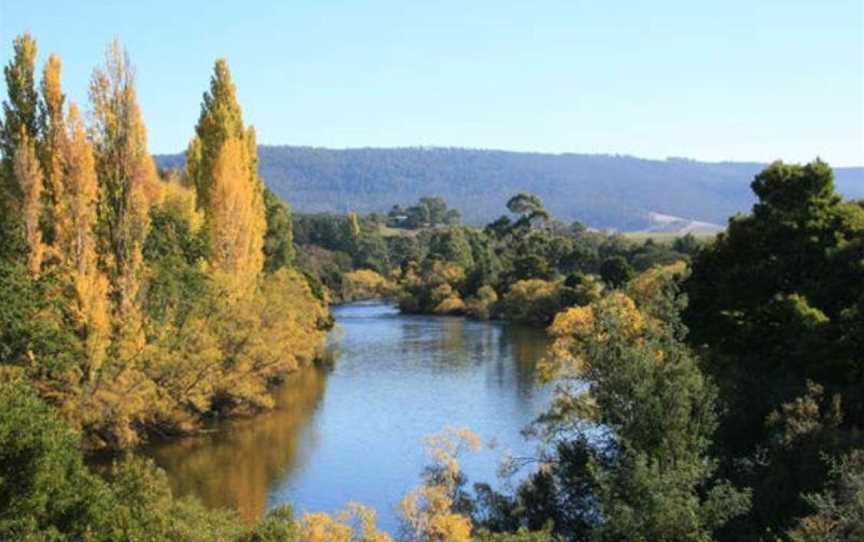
[(179, 200), (127, 180), (366, 284), (481, 305), (803, 415), (76, 242), (625, 310), (568, 360), (28, 174), (54, 152), (236, 216), (84, 196), (645, 285), (533, 301), (355, 524), (446, 300), (569, 327), (427, 510), (573, 328), (273, 331), (452, 304)]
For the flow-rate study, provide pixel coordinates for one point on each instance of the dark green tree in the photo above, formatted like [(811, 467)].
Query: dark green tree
[(615, 271), (776, 303), (279, 238), (451, 245)]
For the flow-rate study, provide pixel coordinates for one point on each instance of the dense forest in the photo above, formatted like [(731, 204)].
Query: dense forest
[(525, 266), (703, 389), (603, 191)]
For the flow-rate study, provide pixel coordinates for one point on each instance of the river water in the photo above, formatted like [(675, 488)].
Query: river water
[(355, 432)]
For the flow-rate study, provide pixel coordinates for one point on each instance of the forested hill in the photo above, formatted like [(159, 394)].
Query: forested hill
[(601, 190)]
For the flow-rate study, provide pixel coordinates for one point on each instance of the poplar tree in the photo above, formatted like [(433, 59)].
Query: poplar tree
[(222, 164), (52, 149), (19, 117), (235, 216), (20, 111), (28, 177), (127, 181), (78, 242)]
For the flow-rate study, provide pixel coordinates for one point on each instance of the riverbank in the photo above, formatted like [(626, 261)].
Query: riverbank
[(355, 432)]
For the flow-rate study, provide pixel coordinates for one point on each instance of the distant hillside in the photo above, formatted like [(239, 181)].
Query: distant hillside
[(603, 191)]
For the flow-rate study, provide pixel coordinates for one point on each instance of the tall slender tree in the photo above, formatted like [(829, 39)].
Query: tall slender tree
[(19, 117), (220, 119), (78, 242), (52, 149), (222, 164), (127, 181), (20, 111), (28, 176), (235, 219)]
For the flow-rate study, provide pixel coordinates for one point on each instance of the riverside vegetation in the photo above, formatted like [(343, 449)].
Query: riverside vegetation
[(701, 391)]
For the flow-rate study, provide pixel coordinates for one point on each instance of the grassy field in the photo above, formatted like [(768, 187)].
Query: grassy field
[(637, 236), (664, 237)]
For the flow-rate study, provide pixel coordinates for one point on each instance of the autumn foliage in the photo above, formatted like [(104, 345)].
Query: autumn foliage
[(137, 301)]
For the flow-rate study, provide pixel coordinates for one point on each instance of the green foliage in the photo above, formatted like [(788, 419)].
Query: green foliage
[(36, 322), (371, 253), (776, 303), (522, 535), (452, 246), (532, 301), (46, 493), (688, 245), (20, 111), (529, 207), (19, 118), (279, 238), (523, 265), (839, 509), (615, 271), (629, 431), (277, 526), (429, 212)]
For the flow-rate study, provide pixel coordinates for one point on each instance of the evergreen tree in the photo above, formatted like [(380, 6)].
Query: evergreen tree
[(776, 305), (279, 238)]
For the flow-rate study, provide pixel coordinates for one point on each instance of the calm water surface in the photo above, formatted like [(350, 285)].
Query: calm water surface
[(355, 432)]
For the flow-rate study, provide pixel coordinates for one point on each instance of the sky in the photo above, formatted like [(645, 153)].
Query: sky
[(744, 80)]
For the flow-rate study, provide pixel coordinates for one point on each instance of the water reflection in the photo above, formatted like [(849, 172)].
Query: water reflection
[(234, 466), (356, 432)]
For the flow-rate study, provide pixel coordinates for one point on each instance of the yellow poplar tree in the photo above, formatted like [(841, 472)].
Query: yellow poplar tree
[(127, 185), (235, 215), (53, 150), (28, 176), (222, 164), (77, 244)]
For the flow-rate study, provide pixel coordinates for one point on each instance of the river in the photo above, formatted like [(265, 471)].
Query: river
[(355, 432)]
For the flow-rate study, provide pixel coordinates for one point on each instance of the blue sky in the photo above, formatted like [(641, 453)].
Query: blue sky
[(742, 80)]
